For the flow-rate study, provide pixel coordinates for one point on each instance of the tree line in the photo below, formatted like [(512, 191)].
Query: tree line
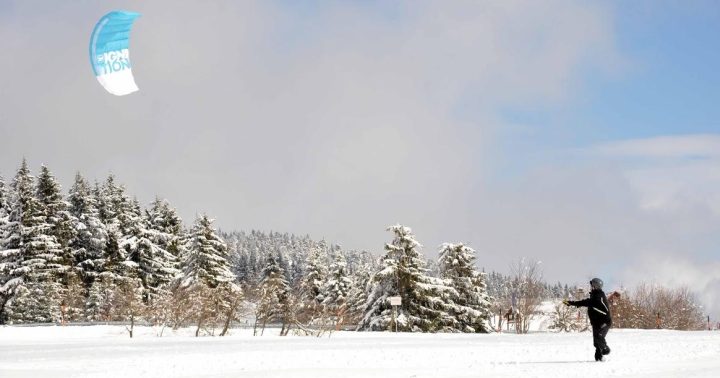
[(96, 255)]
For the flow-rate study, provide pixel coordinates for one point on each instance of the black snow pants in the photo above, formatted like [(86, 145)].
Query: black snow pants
[(599, 333)]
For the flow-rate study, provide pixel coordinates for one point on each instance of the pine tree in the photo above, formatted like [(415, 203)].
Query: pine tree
[(32, 256), (63, 229), (4, 208), (207, 256), (358, 296), (88, 245), (4, 219), (337, 289), (470, 304), (314, 279), (403, 274), (114, 210), (117, 209), (19, 208), (274, 292), (57, 216), (171, 236), (145, 246)]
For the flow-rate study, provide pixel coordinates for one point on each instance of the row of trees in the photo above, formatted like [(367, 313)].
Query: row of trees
[(96, 255), (317, 288), (313, 287)]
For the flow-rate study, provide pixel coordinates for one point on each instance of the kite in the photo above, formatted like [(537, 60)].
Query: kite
[(110, 54)]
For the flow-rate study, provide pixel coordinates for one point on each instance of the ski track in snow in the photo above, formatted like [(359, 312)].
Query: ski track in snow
[(107, 351)]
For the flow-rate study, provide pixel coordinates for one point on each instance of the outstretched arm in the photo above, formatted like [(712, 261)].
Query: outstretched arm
[(581, 303)]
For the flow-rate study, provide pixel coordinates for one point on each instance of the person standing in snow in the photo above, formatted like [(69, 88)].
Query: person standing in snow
[(599, 314)]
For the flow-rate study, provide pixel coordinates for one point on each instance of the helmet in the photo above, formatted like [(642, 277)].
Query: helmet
[(596, 284)]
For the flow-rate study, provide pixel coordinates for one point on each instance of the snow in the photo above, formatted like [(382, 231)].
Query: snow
[(106, 351)]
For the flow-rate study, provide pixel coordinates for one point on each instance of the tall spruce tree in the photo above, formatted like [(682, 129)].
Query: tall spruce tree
[(4, 219), (469, 303), (314, 278), (358, 296), (91, 237), (57, 216), (122, 219), (155, 265), (337, 287), (32, 256), (4, 206), (164, 219), (207, 256)]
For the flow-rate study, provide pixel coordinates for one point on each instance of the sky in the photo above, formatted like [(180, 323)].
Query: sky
[(584, 135)]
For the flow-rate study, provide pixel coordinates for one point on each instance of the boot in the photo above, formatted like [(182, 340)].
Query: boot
[(598, 354), (606, 350)]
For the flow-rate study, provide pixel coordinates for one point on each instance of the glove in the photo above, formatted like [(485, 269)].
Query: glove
[(566, 302)]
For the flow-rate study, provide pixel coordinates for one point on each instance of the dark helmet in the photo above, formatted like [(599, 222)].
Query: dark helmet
[(596, 284)]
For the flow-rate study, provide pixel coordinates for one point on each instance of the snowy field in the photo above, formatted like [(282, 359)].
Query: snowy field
[(106, 351)]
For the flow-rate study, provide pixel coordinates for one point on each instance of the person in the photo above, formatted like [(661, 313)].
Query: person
[(599, 314)]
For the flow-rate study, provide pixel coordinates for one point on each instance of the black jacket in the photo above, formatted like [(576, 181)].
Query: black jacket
[(598, 308)]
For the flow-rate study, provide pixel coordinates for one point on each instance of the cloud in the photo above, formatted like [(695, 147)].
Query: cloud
[(705, 146), (678, 173), (333, 120)]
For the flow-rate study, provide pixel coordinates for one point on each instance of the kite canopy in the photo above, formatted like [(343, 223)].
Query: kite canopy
[(109, 54)]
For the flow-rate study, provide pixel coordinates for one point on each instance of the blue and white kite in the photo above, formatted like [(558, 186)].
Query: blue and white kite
[(109, 53)]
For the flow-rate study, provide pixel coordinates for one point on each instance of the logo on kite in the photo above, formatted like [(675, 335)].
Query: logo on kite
[(109, 53)]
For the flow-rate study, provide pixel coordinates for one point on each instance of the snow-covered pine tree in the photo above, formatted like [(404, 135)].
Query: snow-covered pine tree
[(164, 218), (123, 211), (207, 256), (57, 216), (470, 305), (4, 214), (63, 227), (31, 257), (358, 296), (402, 273), (314, 278), (170, 235), (274, 293), (4, 207), (337, 289), (91, 237), (146, 246), (240, 263), (117, 213), (13, 236), (112, 268), (284, 262)]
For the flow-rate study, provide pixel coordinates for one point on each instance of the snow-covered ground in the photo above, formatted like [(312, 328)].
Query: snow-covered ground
[(103, 351)]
